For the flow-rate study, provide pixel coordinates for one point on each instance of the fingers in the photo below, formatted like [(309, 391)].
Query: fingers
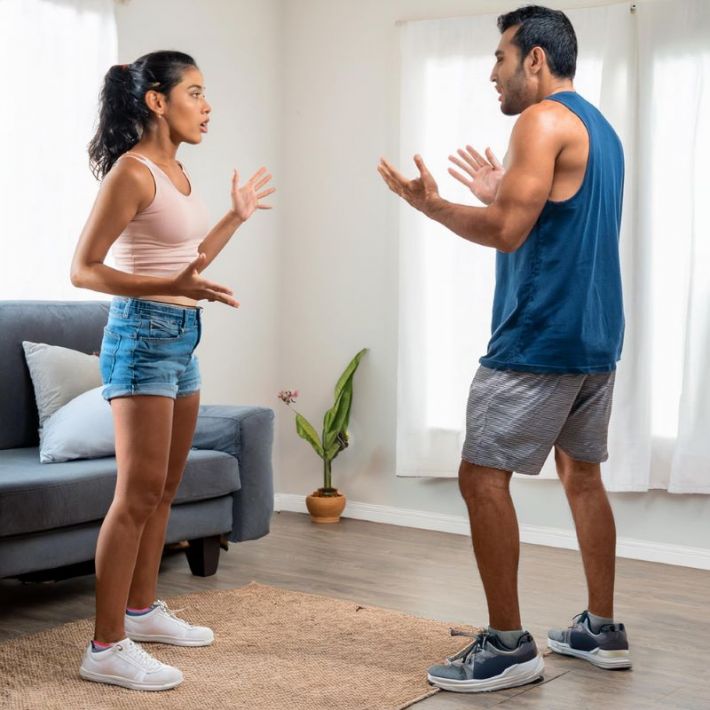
[(261, 196), (222, 298), (217, 288), (461, 178), (493, 160), (388, 171), (464, 166), (473, 157), (423, 170), (262, 182), (235, 179), (257, 175)]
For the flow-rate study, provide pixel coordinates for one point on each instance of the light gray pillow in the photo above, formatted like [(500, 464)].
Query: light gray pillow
[(81, 429), (59, 375)]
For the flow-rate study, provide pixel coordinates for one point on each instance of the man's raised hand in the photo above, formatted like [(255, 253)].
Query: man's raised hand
[(483, 175), (422, 192)]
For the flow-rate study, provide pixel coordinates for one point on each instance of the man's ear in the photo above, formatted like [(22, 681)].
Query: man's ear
[(536, 60)]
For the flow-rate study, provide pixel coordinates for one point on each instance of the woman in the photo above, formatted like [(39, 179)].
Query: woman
[(148, 211)]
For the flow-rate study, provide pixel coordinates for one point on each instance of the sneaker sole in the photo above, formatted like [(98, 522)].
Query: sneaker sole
[(520, 674), (146, 638), (608, 660), (125, 682)]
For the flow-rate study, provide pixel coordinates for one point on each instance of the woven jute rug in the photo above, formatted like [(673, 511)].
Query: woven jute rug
[(274, 650)]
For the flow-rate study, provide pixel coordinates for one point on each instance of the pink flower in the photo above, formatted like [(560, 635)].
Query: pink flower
[(288, 396)]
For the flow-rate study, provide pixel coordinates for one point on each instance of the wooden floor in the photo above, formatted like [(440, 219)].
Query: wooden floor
[(666, 609)]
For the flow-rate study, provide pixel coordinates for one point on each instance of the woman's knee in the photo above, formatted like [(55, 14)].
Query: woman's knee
[(139, 504)]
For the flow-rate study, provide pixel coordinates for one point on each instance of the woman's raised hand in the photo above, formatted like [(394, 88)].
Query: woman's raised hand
[(484, 174), (247, 198), (189, 283)]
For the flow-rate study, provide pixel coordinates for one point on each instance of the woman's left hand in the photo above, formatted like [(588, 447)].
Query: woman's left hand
[(247, 198)]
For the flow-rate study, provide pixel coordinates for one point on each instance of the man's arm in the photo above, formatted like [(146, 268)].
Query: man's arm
[(504, 224)]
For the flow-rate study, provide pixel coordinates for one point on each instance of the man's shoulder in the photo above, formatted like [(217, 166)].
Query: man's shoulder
[(539, 121)]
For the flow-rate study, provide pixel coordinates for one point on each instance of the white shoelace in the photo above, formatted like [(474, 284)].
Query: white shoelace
[(164, 607), (138, 653)]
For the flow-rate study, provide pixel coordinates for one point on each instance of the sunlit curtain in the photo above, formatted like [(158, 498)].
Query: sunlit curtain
[(637, 68), (54, 53)]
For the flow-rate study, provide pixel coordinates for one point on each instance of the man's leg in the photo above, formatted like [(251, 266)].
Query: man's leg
[(506, 656), (596, 532), (496, 540)]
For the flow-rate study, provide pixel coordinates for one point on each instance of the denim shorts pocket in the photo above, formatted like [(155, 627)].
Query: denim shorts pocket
[(162, 328), (107, 356)]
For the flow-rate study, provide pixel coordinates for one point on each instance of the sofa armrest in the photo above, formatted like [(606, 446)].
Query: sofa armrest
[(247, 433)]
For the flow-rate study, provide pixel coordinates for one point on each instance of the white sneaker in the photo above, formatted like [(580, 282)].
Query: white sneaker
[(160, 625), (128, 665)]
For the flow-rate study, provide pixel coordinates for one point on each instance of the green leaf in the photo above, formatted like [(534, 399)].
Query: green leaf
[(306, 431), (337, 417), (348, 373)]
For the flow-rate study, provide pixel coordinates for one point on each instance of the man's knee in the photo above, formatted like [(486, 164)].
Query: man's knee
[(576, 476), (479, 482)]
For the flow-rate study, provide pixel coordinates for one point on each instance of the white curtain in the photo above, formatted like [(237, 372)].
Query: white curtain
[(632, 66), (55, 53)]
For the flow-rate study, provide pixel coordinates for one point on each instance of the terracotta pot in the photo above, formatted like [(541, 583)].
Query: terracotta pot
[(325, 509)]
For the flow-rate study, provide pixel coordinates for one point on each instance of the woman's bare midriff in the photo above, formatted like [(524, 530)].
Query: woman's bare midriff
[(172, 300)]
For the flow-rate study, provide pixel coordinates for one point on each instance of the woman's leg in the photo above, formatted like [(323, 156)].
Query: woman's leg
[(145, 576), (143, 426)]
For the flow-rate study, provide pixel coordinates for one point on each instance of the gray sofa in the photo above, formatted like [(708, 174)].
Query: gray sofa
[(50, 514)]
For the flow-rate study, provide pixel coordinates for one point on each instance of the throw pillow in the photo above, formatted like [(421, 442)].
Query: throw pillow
[(59, 375), (81, 429)]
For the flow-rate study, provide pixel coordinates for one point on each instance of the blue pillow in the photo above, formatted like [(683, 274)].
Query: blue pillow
[(81, 429)]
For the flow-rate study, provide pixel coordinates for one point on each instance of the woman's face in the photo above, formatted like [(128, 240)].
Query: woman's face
[(187, 111)]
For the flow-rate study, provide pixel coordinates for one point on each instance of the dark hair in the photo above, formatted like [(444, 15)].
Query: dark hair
[(549, 29), (123, 112)]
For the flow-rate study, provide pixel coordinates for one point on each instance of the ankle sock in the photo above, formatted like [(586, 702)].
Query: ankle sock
[(138, 612), (97, 646), (508, 638), (596, 622)]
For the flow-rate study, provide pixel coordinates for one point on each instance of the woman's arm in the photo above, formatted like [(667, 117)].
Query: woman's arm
[(245, 200), (126, 190)]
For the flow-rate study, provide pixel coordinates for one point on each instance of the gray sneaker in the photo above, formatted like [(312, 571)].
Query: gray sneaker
[(607, 649), (488, 665)]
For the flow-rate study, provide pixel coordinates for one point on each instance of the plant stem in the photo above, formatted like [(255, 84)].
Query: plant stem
[(326, 473)]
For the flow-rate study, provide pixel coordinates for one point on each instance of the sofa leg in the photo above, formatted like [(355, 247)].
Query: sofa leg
[(203, 555)]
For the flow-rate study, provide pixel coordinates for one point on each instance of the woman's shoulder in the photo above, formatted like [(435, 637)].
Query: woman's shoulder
[(131, 178)]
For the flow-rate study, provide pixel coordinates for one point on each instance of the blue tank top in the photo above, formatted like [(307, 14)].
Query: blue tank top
[(558, 304)]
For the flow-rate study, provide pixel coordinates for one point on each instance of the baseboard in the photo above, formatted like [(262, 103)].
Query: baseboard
[(630, 548)]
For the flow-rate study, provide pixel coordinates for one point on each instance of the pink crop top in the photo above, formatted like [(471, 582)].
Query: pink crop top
[(162, 239)]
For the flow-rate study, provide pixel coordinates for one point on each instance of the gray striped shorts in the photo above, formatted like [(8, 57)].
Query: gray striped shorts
[(513, 419)]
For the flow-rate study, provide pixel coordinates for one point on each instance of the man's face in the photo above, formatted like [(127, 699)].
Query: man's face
[(514, 85)]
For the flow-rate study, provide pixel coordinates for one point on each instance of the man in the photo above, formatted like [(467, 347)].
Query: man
[(553, 215)]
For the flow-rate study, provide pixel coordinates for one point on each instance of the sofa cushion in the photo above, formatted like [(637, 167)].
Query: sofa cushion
[(34, 497)]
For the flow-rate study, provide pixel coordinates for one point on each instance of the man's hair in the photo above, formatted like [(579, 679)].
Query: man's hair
[(548, 29)]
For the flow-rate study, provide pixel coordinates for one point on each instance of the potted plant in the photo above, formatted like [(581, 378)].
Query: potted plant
[(326, 504)]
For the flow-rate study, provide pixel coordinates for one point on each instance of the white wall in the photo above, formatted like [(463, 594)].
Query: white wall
[(340, 252), (237, 45), (310, 87)]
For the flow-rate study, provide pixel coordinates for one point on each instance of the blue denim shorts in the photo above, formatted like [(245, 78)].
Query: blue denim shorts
[(148, 348)]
